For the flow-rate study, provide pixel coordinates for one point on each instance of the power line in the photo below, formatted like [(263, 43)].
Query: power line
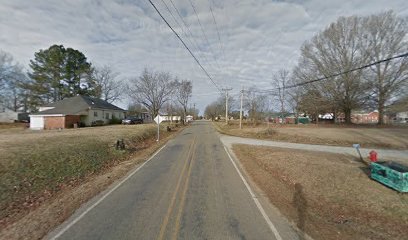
[(171, 13), (196, 45), (348, 71), (179, 14), (338, 74), (185, 45), (218, 32), (205, 35)]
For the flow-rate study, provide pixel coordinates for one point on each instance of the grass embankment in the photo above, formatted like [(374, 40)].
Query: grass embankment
[(36, 165), (328, 196), (368, 136), (13, 125)]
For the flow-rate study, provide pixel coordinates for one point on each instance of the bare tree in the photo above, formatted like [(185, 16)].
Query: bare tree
[(256, 103), (12, 79), (193, 111), (152, 90), (399, 105), (337, 49), (313, 103), (294, 97), (385, 33), (5, 68), (173, 108), (215, 109), (135, 109), (108, 88), (183, 94), (280, 81)]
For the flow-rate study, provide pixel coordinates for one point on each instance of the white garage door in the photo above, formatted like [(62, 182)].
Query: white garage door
[(36, 122)]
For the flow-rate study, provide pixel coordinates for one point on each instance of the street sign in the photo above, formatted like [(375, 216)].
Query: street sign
[(158, 119)]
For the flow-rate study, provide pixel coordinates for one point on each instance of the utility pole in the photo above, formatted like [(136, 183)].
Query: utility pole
[(240, 111), (226, 103)]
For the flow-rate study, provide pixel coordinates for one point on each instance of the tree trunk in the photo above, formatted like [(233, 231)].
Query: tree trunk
[(381, 109), (15, 107), (185, 115), (296, 118), (347, 115)]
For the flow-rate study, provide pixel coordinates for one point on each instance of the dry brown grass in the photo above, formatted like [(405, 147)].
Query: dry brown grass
[(336, 135), (13, 125), (36, 165), (329, 196)]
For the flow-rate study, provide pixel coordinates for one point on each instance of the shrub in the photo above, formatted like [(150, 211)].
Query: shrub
[(115, 120)]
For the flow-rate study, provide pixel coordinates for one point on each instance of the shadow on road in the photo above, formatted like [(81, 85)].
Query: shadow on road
[(300, 204)]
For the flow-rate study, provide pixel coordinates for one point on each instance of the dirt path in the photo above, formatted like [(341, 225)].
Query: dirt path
[(383, 154)]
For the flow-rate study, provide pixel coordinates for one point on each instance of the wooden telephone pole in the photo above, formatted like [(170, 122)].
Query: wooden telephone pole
[(240, 111), (226, 103)]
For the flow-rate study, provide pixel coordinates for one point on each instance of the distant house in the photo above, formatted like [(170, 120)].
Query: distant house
[(362, 117), (9, 116), (75, 111), (371, 117), (171, 118), (402, 117), (189, 118)]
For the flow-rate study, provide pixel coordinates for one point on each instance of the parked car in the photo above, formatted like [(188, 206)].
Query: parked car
[(132, 120)]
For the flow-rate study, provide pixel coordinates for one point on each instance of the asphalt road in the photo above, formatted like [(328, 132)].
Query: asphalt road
[(189, 190)]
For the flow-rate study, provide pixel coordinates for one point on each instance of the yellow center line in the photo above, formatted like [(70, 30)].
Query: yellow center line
[(173, 199), (183, 197)]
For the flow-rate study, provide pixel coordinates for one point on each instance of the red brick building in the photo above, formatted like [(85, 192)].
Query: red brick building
[(362, 118)]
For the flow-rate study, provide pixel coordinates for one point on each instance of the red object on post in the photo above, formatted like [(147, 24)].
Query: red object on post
[(373, 156)]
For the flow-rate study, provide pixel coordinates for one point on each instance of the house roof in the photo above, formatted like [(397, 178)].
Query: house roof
[(76, 105)]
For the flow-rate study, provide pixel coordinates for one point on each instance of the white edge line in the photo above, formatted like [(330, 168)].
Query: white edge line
[(257, 203), (62, 231)]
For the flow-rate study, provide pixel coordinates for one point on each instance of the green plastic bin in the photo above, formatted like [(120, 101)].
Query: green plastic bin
[(391, 174)]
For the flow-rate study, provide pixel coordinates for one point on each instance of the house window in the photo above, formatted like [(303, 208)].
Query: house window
[(95, 113), (107, 115)]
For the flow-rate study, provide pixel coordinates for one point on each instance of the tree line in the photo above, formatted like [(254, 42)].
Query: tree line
[(58, 72), (159, 91), (344, 46)]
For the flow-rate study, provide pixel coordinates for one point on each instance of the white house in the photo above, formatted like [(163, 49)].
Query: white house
[(189, 118), (402, 117), (78, 110), (169, 118)]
